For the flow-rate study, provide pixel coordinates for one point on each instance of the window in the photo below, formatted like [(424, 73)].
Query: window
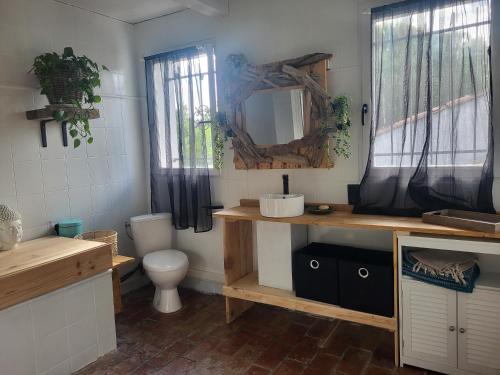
[(184, 91), (430, 83)]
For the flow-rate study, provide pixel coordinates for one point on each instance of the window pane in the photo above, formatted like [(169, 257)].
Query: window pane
[(189, 102), (454, 42)]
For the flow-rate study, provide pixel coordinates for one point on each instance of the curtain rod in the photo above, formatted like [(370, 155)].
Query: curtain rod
[(182, 47), (408, 3), (171, 53)]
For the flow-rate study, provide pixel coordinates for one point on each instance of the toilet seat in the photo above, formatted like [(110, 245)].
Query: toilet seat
[(165, 260)]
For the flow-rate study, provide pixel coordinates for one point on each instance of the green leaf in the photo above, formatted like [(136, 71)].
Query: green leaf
[(76, 143), (73, 133), (97, 99), (58, 115), (90, 140)]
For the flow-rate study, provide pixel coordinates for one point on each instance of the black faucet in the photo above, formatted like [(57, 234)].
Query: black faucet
[(286, 190)]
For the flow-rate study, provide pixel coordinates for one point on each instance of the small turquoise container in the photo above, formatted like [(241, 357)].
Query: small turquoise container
[(69, 228)]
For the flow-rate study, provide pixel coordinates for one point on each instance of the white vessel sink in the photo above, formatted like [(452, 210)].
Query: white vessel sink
[(281, 205)]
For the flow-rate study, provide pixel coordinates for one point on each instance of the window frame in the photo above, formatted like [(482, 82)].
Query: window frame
[(213, 94), (365, 43)]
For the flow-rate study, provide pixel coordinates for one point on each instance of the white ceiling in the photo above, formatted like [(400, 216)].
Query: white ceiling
[(131, 11)]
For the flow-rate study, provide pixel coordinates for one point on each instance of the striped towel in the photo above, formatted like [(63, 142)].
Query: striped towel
[(465, 284)]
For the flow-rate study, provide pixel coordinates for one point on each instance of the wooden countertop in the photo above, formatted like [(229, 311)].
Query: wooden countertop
[(346, 219), (46, 264)]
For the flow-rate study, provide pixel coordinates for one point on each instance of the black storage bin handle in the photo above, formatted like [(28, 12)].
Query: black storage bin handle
[(363, 273), (314, 264)]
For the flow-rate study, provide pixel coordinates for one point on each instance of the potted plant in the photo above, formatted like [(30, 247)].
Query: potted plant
[(69, 81)]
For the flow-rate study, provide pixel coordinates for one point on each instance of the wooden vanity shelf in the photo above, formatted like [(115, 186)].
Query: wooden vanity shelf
[(46, 115), (248, 288), (241, 287)]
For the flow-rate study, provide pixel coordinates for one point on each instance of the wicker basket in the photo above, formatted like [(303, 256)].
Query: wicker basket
[(106, 236), (63, 89)]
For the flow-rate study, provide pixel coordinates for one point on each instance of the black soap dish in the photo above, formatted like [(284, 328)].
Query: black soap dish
[(316, 210)]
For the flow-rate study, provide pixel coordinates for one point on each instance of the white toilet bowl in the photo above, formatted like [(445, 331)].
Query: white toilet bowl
[(166, 269)]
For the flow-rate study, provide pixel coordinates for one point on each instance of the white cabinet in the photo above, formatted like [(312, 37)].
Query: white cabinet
[(448, 331), (430, 316), (479, 331)]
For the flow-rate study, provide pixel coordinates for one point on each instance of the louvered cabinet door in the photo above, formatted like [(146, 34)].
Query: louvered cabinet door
[(479, 332), (429, 323)]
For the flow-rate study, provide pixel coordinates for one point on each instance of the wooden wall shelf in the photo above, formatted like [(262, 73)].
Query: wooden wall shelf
[(46, 115)]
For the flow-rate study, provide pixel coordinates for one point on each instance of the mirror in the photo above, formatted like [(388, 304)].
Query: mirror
[(275, 112), (275, 116)]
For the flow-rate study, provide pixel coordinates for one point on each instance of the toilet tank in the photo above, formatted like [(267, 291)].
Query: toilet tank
[(151, 233)]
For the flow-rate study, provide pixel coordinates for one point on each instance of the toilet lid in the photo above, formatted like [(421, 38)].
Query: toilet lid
[(165, 260)]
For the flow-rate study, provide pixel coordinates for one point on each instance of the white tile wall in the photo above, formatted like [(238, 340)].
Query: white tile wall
[(53, 183), (60, 332), (253, 29)]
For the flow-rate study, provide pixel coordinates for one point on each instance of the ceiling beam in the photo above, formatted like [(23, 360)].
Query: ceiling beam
[(207, 7)]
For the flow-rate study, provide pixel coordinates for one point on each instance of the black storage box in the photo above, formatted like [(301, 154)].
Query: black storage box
[(366, 281), (315, 273), (353, 278)]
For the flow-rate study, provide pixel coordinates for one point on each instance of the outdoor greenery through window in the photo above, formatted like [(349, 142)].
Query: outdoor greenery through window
[(431, 83), (185, 96)]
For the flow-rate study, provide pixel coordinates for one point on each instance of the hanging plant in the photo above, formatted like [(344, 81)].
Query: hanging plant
[(217, 132), (221, 135), (340, 109), (69, 81)]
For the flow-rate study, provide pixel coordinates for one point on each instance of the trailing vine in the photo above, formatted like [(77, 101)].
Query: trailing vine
[(340, 109), (220, 137)]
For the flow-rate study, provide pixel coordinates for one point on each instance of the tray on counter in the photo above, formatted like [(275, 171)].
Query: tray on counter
[(470, 220)]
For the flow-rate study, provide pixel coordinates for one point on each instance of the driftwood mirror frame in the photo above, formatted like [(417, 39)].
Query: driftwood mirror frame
[(308, 72)]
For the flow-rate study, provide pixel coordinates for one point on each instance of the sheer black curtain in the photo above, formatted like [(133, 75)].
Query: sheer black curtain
[(180, 96), (432, 136)]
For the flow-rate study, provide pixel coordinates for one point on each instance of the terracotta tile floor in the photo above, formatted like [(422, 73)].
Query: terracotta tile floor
[(264, 340)]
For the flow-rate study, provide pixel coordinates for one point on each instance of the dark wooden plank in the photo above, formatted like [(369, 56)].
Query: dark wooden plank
[(47, 113)]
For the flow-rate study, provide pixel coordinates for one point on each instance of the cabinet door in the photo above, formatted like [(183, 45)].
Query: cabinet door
[(479, 331), (429, 323)]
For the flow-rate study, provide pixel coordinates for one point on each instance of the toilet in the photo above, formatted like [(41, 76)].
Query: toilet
[(165, 267)]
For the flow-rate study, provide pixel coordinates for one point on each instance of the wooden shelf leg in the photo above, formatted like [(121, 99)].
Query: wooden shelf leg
[(395, 270), (238, 262), (235, 307)]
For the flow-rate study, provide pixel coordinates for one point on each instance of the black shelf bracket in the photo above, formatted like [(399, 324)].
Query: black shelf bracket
[(43, 131)]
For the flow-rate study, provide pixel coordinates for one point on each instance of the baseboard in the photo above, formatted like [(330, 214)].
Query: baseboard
[(204, 281), (135, 282), (201, 281)]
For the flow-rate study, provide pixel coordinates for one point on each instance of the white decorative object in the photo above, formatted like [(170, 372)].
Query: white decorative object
[(276, 243), (281, 205), (11, 229)]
